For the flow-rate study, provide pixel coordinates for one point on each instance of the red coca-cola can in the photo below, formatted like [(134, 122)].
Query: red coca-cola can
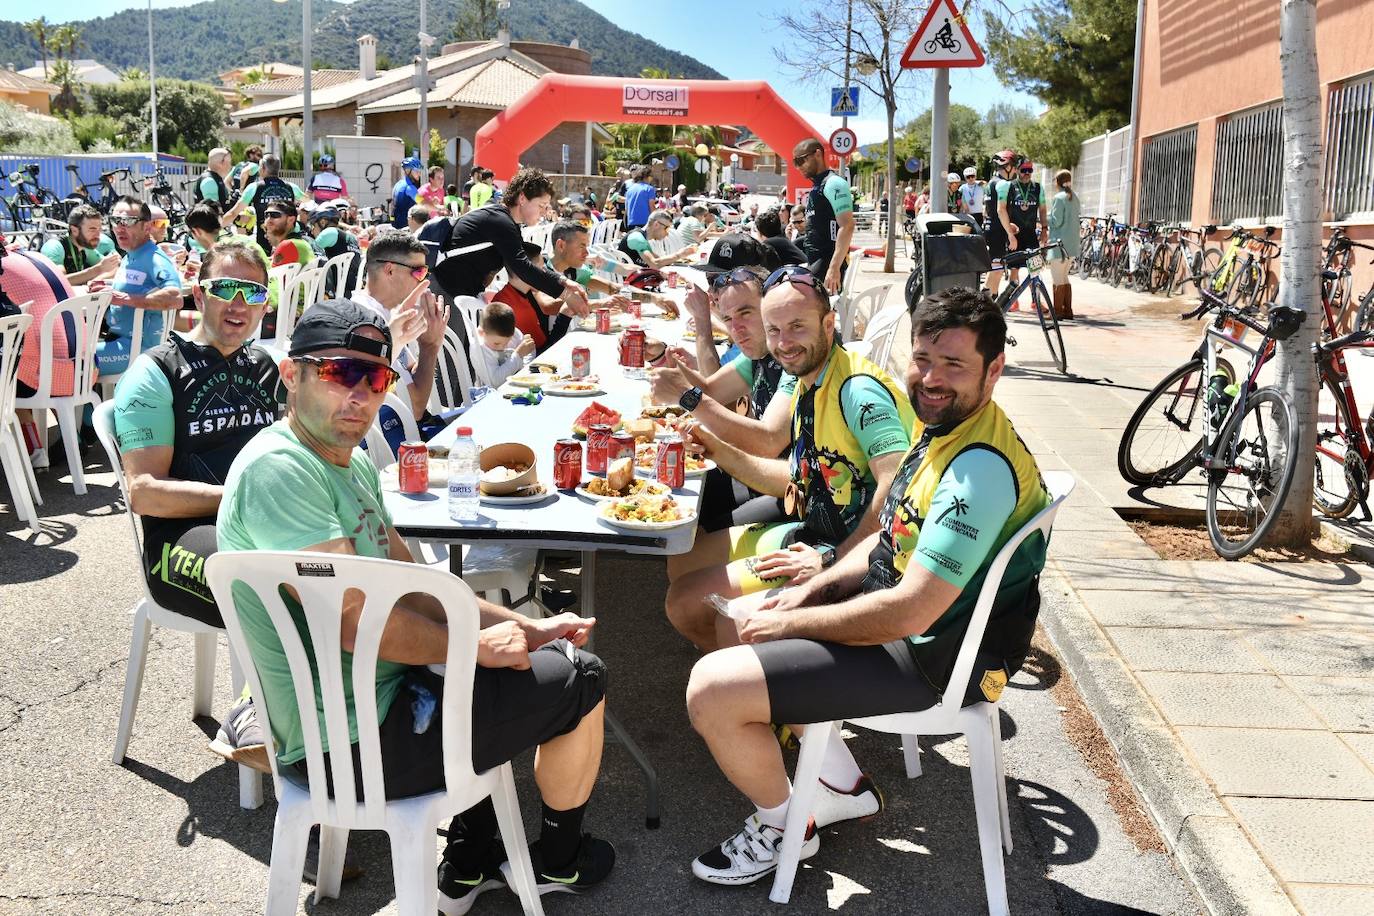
[(634, 309), (603, 321), (622, 446), (632, 348), (598, 447), (567, 464), (413, 470), (671, 466), (581, 362)]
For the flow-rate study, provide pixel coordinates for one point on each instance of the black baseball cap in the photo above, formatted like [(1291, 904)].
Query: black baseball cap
[(737, 250), (334, 324)]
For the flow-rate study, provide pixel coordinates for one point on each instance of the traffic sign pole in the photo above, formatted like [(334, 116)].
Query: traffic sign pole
[(939, 143)]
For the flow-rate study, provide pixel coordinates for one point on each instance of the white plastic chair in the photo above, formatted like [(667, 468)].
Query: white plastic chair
[(878, 337), (410, 822), (471, 308), (148, 612), (287, 292), (977, 721), (455, 373), (85, 313), (338, 268), (867, 304), (14, 459)]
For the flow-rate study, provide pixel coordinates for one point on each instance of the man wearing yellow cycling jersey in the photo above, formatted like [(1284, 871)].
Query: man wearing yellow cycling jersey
[(878, 632), (850, 424)]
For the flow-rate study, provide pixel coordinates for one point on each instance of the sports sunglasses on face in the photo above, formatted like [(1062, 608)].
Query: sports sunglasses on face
[(1027, 171), (274, 214), (419, 273), (127, 220), (348, 372), (796, 275), (226, 288), (738, 275)]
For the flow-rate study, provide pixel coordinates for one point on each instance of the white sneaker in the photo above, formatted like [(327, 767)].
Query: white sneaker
[(834, 806), (750, 854), (39, 458)]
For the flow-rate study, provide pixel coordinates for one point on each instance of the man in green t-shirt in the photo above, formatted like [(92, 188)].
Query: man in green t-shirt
[(303, 484), (86, 253), (878, 632), (570, 241)]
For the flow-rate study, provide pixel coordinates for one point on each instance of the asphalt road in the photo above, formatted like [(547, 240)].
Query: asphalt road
[(164, 834)]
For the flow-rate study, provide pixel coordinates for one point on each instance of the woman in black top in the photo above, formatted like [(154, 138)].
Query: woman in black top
[(488, 238)]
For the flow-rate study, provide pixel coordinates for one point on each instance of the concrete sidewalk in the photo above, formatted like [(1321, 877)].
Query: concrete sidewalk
[(1240, 696)]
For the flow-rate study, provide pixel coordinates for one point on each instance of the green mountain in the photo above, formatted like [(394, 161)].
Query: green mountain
[(199, 41)]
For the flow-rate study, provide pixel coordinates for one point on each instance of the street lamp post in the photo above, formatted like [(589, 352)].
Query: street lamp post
[(425, 41), (152, 80), (307, 115)]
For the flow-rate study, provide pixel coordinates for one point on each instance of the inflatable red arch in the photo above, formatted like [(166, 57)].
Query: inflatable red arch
[(560, 97)]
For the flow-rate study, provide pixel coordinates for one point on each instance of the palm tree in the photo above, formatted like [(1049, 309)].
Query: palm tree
[(38, 28), (65, 77), (64, 41)]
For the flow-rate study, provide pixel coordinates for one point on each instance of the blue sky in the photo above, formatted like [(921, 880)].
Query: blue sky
[(726, 35)]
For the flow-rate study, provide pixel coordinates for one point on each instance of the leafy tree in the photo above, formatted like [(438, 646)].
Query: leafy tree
[(40, 29), (91, 129), (477, 20), (968, 138), (63, 75), (1056, 138), (185, 111), (1070, 54)]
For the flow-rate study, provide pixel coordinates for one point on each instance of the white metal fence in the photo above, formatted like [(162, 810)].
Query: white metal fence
[(1100, 178)]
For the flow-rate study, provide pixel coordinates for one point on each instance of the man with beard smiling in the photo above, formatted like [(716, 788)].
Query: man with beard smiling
[(850, 423), (878, 632)]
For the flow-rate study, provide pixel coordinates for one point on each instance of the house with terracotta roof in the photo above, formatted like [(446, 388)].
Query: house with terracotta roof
[(469, 83), (26, 92)]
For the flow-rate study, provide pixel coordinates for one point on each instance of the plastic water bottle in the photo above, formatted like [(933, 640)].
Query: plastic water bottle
[(464, 468)]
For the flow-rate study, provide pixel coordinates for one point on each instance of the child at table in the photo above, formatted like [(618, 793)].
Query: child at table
[(502, 349)]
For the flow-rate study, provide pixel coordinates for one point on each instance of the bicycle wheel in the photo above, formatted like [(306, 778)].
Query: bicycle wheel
[(1338, 477), (1205, 265), (1164, 435), (1245, 499), (1117, 266), (9, 217), (1160, 277), (1247, 285), (1049, 323), (1175, 279)]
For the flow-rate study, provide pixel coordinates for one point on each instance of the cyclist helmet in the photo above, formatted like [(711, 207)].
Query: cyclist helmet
[(326, 159), (1004, 157), (970, 172), (952, 176), (647, 280), (412, 163)]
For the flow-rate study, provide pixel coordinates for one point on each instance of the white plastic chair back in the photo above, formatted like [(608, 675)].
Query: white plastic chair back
[(978, 722), (311, 282), (878, 338), (84, 315), (14, 461), (338, 269), (382, 583), (866, 305), (455, 371), (283, 274), (103, 420)]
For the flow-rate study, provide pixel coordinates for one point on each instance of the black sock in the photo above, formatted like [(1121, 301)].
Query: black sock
[(560, 836), (470, 836)]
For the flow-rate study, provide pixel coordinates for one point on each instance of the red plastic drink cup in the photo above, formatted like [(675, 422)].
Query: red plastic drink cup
[(413, 473)]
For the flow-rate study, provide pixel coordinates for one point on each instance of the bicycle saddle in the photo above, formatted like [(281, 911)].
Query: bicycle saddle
[(1330, 275)]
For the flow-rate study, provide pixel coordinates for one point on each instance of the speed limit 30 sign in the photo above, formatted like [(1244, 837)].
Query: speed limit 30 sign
[(843, 142)]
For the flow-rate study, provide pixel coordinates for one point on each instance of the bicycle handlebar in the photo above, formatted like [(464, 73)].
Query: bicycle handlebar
[(1351, 339)]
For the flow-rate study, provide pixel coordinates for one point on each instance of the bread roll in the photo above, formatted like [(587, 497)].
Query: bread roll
[(620, 473)]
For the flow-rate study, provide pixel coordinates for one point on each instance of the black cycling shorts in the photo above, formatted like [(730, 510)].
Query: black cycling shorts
[(813, 681), (512, 711), (997, 241), (174, 555)]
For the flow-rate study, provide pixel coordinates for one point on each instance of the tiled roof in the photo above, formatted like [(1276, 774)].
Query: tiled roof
[(290, 85), (387, 82), (17, 82), (493, 84)]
